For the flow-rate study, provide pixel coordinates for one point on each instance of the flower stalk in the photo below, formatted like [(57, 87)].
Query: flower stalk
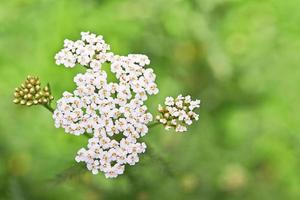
[(48, 107)]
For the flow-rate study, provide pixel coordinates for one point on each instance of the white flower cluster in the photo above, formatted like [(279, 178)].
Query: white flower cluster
[(109, 155), (82, 51), (113, 112), (178, 113)]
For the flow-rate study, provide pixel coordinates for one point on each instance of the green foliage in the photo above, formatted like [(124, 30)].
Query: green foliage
[(240, 57)]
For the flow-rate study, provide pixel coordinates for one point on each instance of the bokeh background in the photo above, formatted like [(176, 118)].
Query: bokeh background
[(240, 57)]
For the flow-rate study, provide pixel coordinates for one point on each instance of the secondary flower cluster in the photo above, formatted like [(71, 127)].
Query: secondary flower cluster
[(178, 113), (31, 93), (113, 112)]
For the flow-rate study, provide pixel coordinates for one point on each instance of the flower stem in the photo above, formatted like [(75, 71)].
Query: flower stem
[(86, 67), (165, 166), (68, 174), (48, 107), (153, 124), (87, 135)]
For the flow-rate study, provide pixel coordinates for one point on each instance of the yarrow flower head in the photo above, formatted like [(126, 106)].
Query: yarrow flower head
[(178, 113), (31, 93), (114, 113)]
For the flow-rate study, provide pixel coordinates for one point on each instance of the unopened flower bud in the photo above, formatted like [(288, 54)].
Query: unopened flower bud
[(31, 93)]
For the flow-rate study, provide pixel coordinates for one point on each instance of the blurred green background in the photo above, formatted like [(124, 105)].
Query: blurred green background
[(240, 57)]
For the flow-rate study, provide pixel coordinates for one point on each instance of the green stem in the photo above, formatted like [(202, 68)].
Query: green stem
[(87, 135), (153, 124), (68, 174), (48, 107), (165, 166), (86, 67)]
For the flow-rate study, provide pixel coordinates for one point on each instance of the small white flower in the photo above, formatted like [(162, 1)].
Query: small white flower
[(95, 64), (169, 101), (180, 128)]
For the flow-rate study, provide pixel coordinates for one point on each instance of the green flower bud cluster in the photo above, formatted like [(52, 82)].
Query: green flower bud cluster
[(31, 93)]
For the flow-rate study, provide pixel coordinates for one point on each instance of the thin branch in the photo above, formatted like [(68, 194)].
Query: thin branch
[(86, 67), (87, 135), (153, 124), (68, 174), (48, 107), (165, 166)]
